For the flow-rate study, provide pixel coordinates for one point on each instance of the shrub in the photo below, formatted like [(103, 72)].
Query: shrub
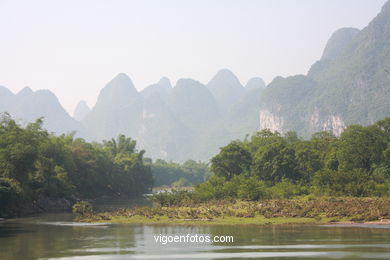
[(171, 198), (82, 208), (286, 189)]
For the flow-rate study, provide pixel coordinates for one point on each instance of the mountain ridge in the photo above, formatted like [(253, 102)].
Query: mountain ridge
[(192, 120)]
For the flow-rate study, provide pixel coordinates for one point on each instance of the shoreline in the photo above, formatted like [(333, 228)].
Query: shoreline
[(294, 211), (232, 221)]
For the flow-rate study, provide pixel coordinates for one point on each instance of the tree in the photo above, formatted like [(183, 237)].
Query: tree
[(122, 144), (355, 182), (232, 160), (18, 148), (361, 147), (308, 160), (384, 125), (263, 138), (275, 162), (291, 137)]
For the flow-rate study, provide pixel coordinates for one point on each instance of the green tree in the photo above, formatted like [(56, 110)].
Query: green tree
[(308, 160), (232, 160), (361, 147), (275, 162)]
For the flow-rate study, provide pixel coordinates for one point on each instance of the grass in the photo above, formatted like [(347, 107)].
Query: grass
[(294, 211)]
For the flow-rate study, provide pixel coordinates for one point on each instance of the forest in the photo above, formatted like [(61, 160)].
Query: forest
[(35, 164), (269, 165), (171, 174)]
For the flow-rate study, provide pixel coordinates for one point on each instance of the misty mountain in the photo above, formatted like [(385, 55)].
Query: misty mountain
[(27, 106), (339, 43), (193, 104), (81, 111), (163, 88), (5, 97), (242, 118), (349, 85), (118, 110), (160, 133), (226, 89), (175, 123), (255, 83)]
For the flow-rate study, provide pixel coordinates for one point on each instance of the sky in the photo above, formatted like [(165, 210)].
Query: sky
[(73, 47)]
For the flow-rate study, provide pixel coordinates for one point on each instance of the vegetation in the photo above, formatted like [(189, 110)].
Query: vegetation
[(271, 166), (270, 178), (266, 167), (321, 210), (349, 83), (82, 208), (177, 175), (35, 164)]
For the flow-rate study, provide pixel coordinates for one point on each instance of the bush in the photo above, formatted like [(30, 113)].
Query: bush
[(252, 189), (382, 189), (171, 198), (182, 182), (286, 189), (82, 208), (355, 182)]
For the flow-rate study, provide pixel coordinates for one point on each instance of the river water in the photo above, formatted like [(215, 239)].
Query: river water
[(56, 236)]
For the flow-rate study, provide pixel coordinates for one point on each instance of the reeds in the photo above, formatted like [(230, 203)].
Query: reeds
[(356, 209)]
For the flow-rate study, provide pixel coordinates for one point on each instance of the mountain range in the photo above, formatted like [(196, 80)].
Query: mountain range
[(350, 84), (191, 120)]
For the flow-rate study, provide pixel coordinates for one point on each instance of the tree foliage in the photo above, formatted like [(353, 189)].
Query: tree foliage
[(232, 160), (34, 164), (268, 165), (177, 175)]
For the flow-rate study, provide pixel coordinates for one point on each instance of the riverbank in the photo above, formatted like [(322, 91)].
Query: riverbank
[(294, 211), (39, 205)]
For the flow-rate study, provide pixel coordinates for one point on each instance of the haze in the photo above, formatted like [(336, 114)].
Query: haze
[(74, 48)]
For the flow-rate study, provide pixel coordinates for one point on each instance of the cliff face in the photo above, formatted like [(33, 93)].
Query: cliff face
[(349, 85), (270, 120), (330, 123), (315, 123)]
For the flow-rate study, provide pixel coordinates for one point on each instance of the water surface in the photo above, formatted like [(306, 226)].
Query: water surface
[(56, 236)]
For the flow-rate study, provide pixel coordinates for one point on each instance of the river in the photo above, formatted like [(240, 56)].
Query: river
[(56, 236)]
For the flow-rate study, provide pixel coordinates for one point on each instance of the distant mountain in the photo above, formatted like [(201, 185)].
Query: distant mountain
[(5, 97), (255, 83), (283, 103), (339, 43), (81, 110), (27, 105), (242, 118), (118, 110), (193, 104), (176, 123), (160, 133), (226, 89), (117, 93), (163, 88), (349, 85)]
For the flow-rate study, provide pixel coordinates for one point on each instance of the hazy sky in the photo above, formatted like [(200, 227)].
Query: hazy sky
[(74, 47)]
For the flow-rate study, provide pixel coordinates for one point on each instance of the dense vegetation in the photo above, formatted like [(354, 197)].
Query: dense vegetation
[(177, 175), (271, 166), (35, 164), (319, 210)]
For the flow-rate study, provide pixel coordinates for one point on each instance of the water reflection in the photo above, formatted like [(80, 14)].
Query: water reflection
[(56, 236)]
